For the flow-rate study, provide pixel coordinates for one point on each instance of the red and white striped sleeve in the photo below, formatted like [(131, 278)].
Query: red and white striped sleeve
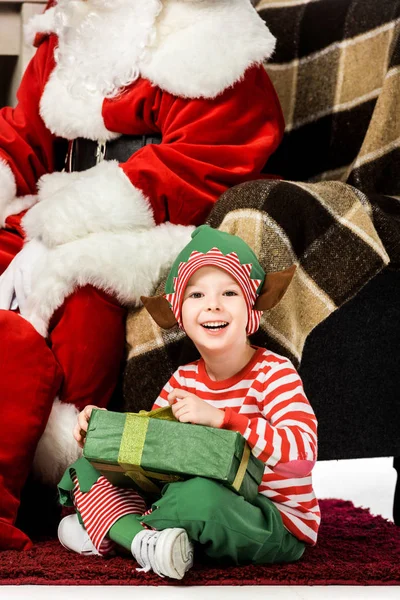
[(173, 383), (284, 436)]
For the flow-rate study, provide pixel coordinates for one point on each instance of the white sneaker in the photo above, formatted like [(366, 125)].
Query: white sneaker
[(74, 536), (168, 553)]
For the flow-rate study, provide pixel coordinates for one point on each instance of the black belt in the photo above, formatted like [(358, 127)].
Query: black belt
[(83, 154)]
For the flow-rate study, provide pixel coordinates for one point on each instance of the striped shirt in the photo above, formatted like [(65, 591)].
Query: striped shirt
[(265, 402)]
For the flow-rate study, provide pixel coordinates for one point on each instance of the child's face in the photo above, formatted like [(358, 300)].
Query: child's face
[(214, 310)]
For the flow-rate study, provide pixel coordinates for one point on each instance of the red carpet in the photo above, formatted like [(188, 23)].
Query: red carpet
[(354, 548)]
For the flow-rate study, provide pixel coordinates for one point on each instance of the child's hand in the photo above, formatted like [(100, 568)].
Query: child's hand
[(81, 427), (188, 408)]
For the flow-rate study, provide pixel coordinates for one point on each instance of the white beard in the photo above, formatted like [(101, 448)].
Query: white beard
[(102, 42)]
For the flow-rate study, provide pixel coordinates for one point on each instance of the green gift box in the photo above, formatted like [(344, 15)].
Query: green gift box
[(146, 450)]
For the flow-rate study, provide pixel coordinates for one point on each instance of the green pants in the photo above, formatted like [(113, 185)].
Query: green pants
[(226, 526)]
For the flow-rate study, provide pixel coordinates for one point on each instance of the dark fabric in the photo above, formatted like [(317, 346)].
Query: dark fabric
[(82, 153), (354, 548), (342, 19), (339, 89), (350, 370)]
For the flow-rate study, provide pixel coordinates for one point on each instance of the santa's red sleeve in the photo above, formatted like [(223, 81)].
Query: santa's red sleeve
[(26, 145), (208, 145)]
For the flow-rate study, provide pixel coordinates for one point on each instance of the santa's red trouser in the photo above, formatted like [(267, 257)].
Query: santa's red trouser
[(79, 363)]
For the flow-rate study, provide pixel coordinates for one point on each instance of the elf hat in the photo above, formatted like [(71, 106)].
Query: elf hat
[(211, 247)]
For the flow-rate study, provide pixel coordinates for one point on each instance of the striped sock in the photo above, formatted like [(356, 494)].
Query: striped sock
[(102, 506)]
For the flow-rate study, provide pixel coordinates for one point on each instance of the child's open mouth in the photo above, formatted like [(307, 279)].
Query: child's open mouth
[(215, 325)]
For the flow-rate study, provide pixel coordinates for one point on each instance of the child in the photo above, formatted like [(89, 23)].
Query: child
[(217, 290)]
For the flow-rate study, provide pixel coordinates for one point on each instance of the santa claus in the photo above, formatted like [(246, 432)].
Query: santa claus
[(163, 105)]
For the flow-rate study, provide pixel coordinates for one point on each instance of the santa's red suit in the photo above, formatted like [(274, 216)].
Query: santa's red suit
[(93, 241)]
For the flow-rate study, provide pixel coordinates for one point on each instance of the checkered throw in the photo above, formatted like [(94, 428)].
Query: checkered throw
[(337, 72), (336, 214)]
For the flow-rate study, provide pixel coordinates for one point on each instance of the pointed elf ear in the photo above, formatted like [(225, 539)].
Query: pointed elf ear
[(160, 310), (274, 288)]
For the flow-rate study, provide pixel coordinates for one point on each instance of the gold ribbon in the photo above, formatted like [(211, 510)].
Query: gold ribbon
[(131, 451), (132, 445), (138, 475), (165, 413), (241, 472)]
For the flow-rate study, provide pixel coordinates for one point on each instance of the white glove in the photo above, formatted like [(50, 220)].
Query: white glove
[(16, 281)]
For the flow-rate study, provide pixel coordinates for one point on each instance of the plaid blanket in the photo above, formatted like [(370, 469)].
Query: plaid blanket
[(337, 213), (337, 73)]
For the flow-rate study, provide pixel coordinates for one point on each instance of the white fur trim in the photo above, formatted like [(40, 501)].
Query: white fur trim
[(57, 448), (199, 49), (205, 47), (51, 183), (127, 264), (71, 117), (8, 190), (10, 204), (99, 199), (40, 23)]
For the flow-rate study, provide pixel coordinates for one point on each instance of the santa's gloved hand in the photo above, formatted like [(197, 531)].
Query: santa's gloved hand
[(16, 281)]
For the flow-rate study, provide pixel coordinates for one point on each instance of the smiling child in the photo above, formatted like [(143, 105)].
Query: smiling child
[(216, 291)]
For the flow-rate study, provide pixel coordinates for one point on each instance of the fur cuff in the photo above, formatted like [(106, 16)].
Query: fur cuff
[(205, 47), (57, 448), (72, 205), (8, 190), (51, 183), (41, 23), (128, 265)]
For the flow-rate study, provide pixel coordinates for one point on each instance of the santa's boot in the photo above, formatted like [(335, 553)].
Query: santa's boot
[(29, 381)]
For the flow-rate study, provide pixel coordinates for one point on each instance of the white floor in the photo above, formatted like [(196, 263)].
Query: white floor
[(369, 483)]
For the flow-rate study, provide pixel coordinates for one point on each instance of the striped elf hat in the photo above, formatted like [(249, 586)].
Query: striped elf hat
[(211, 247)]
